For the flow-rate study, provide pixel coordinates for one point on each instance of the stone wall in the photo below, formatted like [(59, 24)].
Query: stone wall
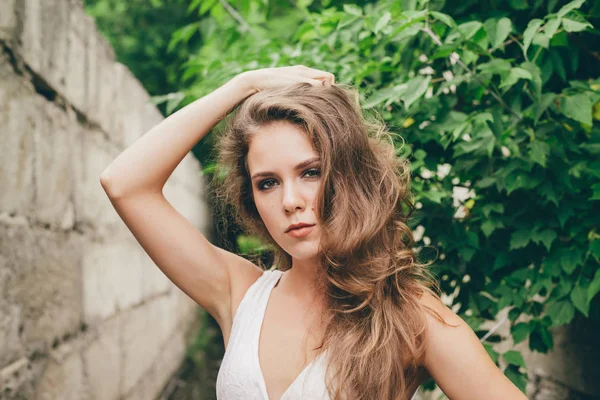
[(84, 312)]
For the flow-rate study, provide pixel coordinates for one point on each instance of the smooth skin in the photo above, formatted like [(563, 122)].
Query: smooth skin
[(217, 279)]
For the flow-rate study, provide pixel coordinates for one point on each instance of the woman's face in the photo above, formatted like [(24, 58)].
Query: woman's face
[(285, 173)]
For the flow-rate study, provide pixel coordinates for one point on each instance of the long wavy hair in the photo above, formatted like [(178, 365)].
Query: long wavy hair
[(369, 272)]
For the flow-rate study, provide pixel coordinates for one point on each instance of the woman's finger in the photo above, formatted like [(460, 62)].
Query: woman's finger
[(314, 82), (314, 73)]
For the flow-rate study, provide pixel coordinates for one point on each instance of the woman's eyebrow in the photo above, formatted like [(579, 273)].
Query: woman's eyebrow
[(302, 165)]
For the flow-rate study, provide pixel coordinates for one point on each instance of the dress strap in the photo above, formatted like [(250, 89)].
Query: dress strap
[(250, 312)]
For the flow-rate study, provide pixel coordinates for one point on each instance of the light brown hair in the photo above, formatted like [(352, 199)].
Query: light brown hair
[(369, 271)]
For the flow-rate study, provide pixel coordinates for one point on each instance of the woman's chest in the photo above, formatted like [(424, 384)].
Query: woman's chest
[(288, 341)]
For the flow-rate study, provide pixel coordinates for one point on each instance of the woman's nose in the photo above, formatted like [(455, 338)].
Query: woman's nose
[(292, 198)]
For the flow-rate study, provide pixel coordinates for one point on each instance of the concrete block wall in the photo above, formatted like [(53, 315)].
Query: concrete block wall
[(84, 312)]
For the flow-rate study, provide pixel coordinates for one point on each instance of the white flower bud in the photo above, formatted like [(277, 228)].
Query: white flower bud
[(454, 57), (448, 75), (426, 174), (418, 233), (429, 93), (443, 170)]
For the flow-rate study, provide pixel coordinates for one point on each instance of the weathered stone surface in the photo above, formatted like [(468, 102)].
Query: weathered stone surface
[(166, 365), (10, 344), (112, 278), (187, 308), (192, 208), (102, 361), (55, 166), (18, 122), (142, 338), (8, 18), (79, 29), (84, 312), (43, 281), (63, 378), (10, 317), (188, 174), (154, 281), (92, 206)]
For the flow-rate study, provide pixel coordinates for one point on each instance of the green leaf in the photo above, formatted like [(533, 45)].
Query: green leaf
[(382, 22), (532, 28), (353, 10), (546, 236), (551, 27), (561, 312), (490, 226), (446, 19), (485, 182), (536, 78), (541, 39), (594, 287), (595, 248), (571, 258), (578, 107), (472, 239), (389, 94), (514, 75), (416, 88), (515, 358), (406, 31), (580, 300), (496, 66), (519, 239), (569, 7), (467, 253), (501, 261), (542, 105), (573, 23), (489, 207), (596, 192), (434, 195), (540, 339), (519, 180), (346, 20), (468, 29), (516, 377), (538, 152), (500, 32), (491, 352)]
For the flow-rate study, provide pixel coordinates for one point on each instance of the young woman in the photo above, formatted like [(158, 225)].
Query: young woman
[(346, 311)]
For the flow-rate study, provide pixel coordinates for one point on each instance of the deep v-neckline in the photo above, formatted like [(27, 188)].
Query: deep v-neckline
[(263, 382)]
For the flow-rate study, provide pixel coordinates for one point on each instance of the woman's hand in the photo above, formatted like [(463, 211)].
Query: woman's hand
[(271, 78)]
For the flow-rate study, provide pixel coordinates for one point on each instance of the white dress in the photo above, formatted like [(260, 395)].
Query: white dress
[(240, 376)]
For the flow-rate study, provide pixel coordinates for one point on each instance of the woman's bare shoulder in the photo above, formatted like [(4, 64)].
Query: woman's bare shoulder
[(433, 303)]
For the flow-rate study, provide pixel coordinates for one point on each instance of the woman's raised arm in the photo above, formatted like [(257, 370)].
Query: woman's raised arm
[(134, 182)]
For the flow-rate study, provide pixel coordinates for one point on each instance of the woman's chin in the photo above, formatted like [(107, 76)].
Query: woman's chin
[(303, 251)]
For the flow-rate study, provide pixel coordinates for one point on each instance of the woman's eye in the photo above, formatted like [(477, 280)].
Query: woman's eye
[(313, 172), (264, 185)]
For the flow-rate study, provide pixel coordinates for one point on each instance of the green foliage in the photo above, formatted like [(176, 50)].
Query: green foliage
[(144, 34), (498, 103)]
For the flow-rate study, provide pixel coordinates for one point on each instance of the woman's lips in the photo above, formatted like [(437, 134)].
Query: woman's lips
[(301, 232)]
